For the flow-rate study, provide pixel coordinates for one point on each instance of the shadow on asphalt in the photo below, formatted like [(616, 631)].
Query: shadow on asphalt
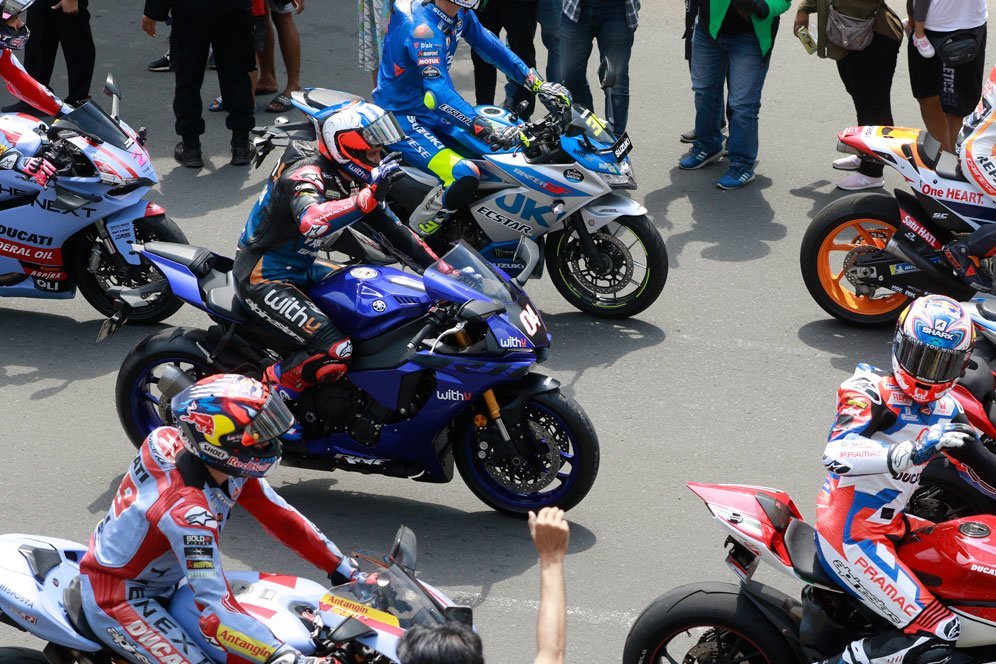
[(42, 347), (820, 199), (736, 226), (849, 345), (456, 548)]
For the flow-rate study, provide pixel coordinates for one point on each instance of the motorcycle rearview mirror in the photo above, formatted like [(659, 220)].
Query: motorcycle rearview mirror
[(606, 74), (112, 90), (527, 253), (461, 614), (404, 552)]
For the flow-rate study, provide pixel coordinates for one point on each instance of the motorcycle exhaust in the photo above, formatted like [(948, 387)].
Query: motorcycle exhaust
[(954, 288), (173, 381)]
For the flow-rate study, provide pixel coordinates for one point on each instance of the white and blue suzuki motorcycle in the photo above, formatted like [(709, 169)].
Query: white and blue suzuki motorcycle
[(354, 622), (78, 232)]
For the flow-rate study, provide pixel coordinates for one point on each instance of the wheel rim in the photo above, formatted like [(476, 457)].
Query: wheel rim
[(146, 406), (708, 644), (848, 240), (619, 285), (555, 444)]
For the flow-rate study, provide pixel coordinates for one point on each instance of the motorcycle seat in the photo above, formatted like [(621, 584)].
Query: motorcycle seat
[(198, 260), (929, 149), (949, 167), (988, 309), (72, 600), (220, 296), (800, 540), (322, 98)]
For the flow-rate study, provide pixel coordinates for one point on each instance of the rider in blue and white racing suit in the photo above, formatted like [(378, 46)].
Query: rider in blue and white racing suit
[(414, 82)]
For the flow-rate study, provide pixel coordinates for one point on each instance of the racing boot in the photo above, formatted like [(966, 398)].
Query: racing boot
[(895, 646), (430, 215), (974, 271)]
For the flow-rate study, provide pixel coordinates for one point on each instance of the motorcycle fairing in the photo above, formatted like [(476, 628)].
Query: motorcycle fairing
[(740, 510), (608, 208), (182, 282), (36, 604)]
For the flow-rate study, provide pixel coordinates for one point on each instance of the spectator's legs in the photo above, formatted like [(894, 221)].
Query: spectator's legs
[(748, 69), (79, 52), (519, 21), (710, 63), (290, 49), (548, 15), (39, 54), (615, 42), (485, 75), (935, 120), (575, 49), (235, 58), (267, 82), (867, 77), (189, 43)]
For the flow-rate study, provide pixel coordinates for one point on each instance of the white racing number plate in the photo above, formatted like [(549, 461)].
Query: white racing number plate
[(622, 147)]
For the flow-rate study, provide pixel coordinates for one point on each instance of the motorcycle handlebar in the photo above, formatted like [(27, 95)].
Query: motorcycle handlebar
[(422, 334)]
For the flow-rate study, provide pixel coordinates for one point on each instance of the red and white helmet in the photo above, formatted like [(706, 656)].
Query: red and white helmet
[(934, 341), (350, 135)]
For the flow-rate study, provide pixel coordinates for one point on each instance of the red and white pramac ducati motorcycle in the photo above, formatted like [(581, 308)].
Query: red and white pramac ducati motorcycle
[(751, 623), (865, 255)]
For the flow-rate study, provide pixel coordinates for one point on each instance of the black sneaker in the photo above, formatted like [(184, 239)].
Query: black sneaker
[(188, 156), (242, 152), (162, 64)]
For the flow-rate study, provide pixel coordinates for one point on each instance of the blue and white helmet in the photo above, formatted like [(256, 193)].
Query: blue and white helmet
[(934, 341), (351, 135), (469, 4)]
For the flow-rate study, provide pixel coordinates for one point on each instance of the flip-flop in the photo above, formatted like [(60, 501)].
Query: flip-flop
[(216, 105), (279, 104)]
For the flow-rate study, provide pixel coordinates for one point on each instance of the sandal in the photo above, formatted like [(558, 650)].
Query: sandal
[(216, 105), (279, 104)]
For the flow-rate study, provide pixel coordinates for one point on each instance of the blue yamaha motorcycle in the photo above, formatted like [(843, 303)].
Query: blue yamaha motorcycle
[(440, 374)]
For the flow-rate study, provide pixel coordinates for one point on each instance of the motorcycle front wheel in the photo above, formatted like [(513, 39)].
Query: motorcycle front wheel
[(628, 277), (711, 624), (558, 468), (140, 404), (842, 231), (94, 285)]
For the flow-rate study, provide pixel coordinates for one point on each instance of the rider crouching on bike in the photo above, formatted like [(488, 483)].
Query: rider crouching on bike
[(166, 520), (13, 36), (414, 82), (888, 427), (302, 203)]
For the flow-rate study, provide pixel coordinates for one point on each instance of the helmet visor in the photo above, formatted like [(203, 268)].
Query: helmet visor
[(929, 364), (272, 421), (385, 130), (11, 8)]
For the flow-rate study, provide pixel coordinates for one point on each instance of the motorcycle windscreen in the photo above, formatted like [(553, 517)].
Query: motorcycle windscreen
[(463, 275), (92, 119)]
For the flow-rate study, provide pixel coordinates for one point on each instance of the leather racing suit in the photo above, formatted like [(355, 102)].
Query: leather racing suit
[(414, 82), (302, 203), (861, 510), (164, 526)]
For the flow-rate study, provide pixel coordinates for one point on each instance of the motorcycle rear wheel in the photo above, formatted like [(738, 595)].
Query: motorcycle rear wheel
[(699, 625), (94, 287), (598, 293), (139, 404), (22, 656), (848, 226), (556, 421)]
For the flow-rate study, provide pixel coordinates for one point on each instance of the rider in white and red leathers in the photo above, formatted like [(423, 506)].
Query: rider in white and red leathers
[(165, 525), (14, 35), (888, 427)]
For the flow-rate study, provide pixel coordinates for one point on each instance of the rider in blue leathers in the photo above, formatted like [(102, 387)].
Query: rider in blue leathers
[(414, 82)]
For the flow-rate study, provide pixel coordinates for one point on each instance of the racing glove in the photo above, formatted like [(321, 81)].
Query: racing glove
[(38, 169), (903, 456), (385, 174), (496, 135), (548, 92), (286, 654), (758, 8)]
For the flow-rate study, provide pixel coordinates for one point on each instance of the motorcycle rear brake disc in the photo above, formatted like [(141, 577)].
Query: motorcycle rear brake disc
[(849, 261)]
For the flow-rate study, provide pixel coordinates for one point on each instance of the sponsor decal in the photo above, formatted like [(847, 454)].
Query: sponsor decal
[(21, 599), (350, 609), (198, 540), (118, 639), (875, 578), (292, 309), (454, 113), (902, 268), (200, 564), (155, 644), (379, 306), (938, 331), (202, 574), (197, 553), (198, 516), (453, 395), (212, 451), (845, 573), (573, 175), (513, 342), (530, 320), (524, 207), (250, 465), (25, 236), (915, 226), (498, 217), (857, 403), (31, 254), (983, 569), (431, 72), (623, 147), (243, 644)]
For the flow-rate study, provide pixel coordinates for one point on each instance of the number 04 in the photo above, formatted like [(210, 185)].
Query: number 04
[(530, 320)]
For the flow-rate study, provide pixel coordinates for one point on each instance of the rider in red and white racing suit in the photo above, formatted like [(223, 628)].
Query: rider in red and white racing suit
[(14, 35), (166, 521), (888, 427)]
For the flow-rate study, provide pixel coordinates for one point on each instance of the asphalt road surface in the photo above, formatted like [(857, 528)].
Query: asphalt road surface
[(729, 377)]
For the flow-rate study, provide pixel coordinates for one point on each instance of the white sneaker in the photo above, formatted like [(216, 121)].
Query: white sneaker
[(850, 163), (859, 181), (924, 46)]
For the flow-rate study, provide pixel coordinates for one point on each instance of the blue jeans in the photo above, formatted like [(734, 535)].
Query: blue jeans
[(548, 15), (740, 55), (608, 26)]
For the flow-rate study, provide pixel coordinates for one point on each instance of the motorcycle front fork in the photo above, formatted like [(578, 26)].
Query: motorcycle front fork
[(490, 400)]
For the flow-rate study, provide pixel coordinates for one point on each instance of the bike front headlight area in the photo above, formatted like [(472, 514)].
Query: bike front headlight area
[(624, 179)]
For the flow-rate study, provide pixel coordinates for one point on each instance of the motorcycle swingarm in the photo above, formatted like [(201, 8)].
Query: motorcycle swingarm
[(882, 270), (783, 612)]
